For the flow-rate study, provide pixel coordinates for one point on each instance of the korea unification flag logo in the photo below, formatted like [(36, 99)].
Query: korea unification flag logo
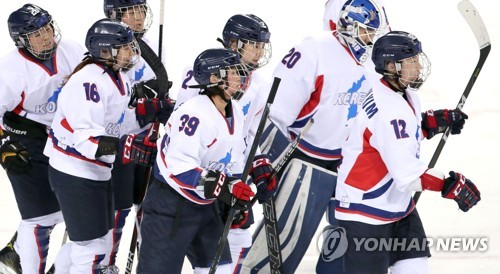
[(332, 243)]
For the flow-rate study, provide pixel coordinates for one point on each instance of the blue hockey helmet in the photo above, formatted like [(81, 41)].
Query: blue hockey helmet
[(33, 21), (106, 37), (135, 13), (225, 65), (397, 48), (360, 23), (248, 29)]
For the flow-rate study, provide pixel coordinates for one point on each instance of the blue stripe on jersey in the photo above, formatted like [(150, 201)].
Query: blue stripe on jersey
[(374, 213), (326, 153), (74, 153), (188, 179), (302, 122), (379, 191)]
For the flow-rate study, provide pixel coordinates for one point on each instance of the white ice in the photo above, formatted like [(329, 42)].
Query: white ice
[(192, 26)]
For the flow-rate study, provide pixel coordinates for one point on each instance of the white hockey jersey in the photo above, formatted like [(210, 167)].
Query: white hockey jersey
[(30, 89), (199, 138), (93, 103), (381, 159), (319, 78), (252, 103)]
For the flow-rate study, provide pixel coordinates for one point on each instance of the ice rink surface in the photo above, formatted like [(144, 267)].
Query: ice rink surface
[(192, 26)]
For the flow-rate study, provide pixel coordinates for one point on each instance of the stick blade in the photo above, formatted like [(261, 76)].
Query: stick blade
[(471, 15)]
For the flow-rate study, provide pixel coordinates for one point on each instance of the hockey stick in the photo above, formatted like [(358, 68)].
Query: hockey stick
[(246, 170), (269, 210), (160, 72), (471, 15), (290, 148)]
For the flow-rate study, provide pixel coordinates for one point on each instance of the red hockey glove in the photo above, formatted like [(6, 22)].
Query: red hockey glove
[(462, 190), (138, 149), (218, 185), (148, 109), (434, 122), (261, 171)]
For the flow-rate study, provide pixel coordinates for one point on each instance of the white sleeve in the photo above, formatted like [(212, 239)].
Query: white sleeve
[(86, 120), (297, 73), (398, 154), (186, 93), (11, 90), (186, 147)]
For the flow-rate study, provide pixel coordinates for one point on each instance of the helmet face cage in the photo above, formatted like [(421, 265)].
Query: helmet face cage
[(126, 56), (41, 43), (250, 36), (231, 76), (413, 71), (360, 24), (233, 80), (254, 54), (138, 17), (113, 43)]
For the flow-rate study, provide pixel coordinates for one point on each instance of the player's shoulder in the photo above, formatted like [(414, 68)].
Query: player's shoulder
[(10, 61)]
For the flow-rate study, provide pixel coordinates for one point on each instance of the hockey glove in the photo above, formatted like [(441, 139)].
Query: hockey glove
[(107, 146), (148, 109), (218, 185), (261, 171), (14, 156), (462, 190), (139, 149), (240, 220), (147, 90), (434, 122)]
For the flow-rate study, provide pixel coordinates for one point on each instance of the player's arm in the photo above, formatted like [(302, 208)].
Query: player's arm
[(298, 82), (397, 144), (87, 121)]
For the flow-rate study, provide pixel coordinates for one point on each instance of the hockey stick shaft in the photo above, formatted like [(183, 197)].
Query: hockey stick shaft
[(475, 22), (269, 210), (160, 30), (160, 72), (289, 150), (153, 135), (246, 170)]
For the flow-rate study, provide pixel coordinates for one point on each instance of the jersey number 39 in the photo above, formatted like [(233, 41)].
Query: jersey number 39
[(189, 124)]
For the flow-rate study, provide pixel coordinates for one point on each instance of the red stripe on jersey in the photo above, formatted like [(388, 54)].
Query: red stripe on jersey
[(314, 99), (65, 124), (213, 142), (20, 107), (432, 180), (369, 168)]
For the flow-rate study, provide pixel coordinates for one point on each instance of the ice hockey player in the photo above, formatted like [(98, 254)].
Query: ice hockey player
[(200, 153), (313, 83), (83, 143), (249, 36), (381, 166), (30, 81), (130, 178)]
